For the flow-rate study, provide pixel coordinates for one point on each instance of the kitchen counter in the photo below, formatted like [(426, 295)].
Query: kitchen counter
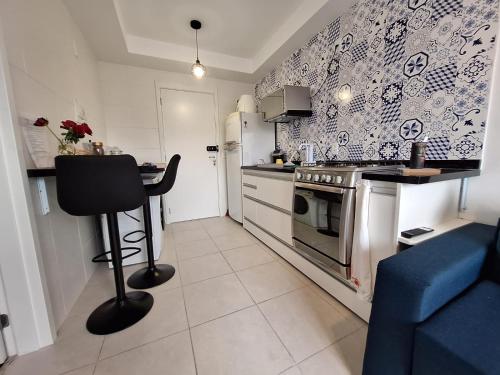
[(51, 172), (446, 174), (270, 168)]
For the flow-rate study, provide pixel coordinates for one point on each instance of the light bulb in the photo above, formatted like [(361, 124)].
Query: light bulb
[(198, 70), (345, 94)]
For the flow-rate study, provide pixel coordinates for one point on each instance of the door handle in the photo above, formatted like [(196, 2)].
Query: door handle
[(214, 159)]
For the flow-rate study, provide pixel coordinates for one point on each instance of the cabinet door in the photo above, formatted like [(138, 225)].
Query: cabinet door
[(250, 209), (277, 191), (275, 222), (381, 226)]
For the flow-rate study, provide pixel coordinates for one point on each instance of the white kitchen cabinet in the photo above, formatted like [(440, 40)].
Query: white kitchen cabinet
[(381, 223), (396, 207), (267, 202)]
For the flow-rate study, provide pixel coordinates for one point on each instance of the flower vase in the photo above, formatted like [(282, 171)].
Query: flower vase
[(66, 148)]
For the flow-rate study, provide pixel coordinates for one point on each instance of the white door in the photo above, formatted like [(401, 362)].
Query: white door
[(189, 123)]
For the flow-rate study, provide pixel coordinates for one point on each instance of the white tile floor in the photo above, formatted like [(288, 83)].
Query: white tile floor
[(234, 307)]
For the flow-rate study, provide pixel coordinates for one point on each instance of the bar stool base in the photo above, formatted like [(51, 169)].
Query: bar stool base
[(147, 278), (113, 316)]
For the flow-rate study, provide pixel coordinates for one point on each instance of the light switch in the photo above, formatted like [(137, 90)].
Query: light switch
[(42, 195)]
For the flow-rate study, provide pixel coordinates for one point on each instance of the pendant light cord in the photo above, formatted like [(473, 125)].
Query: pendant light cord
[(196, 34)]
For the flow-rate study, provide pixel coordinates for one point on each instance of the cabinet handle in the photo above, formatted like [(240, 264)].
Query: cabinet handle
[(276, 208), (250, 186), (383, 190)]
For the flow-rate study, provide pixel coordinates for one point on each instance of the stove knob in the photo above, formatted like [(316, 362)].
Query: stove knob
[(339, 179), (316, 178), (299, 175), (308, 177), (328, 179)]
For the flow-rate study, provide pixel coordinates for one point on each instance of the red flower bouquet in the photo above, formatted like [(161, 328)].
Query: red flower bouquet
[(72, 135)]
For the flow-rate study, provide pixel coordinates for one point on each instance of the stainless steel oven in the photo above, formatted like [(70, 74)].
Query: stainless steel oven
[(323, 213), (323, 221)]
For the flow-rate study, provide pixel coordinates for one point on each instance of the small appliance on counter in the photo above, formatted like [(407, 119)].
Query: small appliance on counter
[(278, 154), (417, 158), (248, 141), (97, 148)]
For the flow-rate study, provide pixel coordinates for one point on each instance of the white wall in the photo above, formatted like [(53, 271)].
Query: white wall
[(483, 203), (23, 295), (51, 64), (51, 68), (130, 99)]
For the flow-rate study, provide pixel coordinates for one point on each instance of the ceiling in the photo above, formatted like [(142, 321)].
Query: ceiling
[(239, 40)]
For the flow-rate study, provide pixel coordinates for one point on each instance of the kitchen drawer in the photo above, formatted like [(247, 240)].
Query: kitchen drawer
[(273, 219), (250, 209), (275, 222), (276, 190)]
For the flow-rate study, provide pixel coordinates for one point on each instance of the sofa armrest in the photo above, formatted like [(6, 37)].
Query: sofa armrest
[(412, 285)]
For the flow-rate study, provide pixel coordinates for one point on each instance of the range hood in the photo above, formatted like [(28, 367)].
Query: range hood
[(287, 103)]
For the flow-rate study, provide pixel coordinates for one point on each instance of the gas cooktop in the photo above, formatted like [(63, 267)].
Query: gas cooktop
[(341, 173)]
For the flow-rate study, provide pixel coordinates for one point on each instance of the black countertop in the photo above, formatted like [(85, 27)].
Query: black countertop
[(270, 168), (51, 172), (446, 174), (450, 170)]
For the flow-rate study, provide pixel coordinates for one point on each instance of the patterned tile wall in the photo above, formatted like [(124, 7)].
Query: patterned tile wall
[(390, 72)]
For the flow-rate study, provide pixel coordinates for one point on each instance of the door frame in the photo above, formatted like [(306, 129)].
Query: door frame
[(219, 137)]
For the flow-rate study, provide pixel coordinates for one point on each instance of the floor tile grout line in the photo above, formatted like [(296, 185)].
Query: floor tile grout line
[(246, 291), (291, 367), (223, 316), (65, 372), (199, 256), (282, 294), (327, 346), (242, 269), (328, 298), (189, 330), (267, 321), (98, 356), (141, 345), (210, 278)]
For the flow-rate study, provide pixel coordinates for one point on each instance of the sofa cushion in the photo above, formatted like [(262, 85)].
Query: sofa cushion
[(463, 338), (493, 261)]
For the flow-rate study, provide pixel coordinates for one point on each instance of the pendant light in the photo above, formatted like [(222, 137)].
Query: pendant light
[(197, 69)]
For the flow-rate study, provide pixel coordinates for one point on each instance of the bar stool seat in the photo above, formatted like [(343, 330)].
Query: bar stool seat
[(155, 274), (96, 185)]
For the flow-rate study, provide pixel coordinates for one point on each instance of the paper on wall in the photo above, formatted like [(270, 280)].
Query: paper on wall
[(37, 143)]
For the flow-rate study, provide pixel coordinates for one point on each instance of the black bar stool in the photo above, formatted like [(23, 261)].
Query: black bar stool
[(95, 185), (154, 275)]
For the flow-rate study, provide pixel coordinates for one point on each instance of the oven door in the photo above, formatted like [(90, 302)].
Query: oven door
[(323, 220)]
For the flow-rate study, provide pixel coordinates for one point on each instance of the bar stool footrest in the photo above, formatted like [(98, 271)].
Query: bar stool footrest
[(125, 238), (150, 277), (103, 257)]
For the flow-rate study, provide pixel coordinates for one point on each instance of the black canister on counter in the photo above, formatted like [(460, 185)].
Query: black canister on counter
[(417, 159)]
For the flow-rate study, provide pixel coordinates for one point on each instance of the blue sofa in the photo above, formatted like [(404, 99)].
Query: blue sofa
[(436, 307)]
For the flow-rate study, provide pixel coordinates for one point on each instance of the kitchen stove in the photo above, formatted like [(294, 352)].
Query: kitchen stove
[(323, 212), (341, 174)]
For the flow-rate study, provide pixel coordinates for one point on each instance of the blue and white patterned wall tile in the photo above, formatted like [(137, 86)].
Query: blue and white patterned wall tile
[(390, 72)]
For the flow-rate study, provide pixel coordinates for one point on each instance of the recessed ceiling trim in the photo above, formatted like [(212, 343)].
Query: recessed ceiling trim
[(176, 52), (112, 42)]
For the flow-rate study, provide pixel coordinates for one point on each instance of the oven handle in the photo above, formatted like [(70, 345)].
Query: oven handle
[(329, 189)]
